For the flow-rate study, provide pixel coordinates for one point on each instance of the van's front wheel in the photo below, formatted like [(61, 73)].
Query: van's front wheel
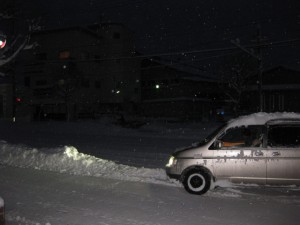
[(197, 181)]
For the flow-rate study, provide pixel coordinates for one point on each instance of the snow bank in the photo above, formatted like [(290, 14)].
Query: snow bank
[(68, 160), (260, 118)]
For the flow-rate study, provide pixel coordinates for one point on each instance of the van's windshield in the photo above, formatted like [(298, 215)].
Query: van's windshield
[(212, 135)]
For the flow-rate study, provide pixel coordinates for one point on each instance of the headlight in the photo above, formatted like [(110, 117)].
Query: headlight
[(172, 161)]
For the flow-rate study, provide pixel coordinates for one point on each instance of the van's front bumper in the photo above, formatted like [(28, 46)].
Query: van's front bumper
[(170, 173), (171, 168)]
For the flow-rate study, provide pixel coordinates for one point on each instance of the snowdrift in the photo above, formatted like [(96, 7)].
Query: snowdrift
[(68, 159)]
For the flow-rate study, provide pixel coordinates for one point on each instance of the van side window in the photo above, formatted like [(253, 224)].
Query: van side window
[(250, 136), (284, 136)]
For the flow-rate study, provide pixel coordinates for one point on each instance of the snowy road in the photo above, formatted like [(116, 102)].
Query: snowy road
[(39, 185), (40, 197)]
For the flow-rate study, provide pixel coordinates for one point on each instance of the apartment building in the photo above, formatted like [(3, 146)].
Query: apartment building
[(77, 72)]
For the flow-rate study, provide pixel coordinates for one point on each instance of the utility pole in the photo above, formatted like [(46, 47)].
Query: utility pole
[(14, 95), (258, 57)]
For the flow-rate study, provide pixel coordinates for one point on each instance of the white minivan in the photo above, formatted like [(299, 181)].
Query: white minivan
[(261, 148)]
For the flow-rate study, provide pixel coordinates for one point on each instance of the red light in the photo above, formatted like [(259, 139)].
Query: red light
[(2, 43), (18, 99)]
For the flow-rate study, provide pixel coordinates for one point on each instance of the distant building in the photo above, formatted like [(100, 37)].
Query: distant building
[(77, 72), (280, 91), (81, 72), (178, 92)]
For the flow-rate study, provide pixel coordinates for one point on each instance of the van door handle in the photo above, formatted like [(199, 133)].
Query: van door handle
[(276, 154)]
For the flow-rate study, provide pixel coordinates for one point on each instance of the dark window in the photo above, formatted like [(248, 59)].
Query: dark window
[(84, 55), (41, 56), (174, 81), (27, 81), (117, 35), (1, 106), (41, 82), (165, 82), (98, 59), (85, 83), (97, 84), (43, 92), (151, 83), (33, 71), (119, 84), (284, 136)]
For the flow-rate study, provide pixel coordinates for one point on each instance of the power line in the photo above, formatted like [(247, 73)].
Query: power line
[(183, 53), (167, 36)]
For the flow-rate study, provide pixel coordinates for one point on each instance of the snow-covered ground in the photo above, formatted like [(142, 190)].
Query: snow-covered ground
[(94, 172), (148, 146)]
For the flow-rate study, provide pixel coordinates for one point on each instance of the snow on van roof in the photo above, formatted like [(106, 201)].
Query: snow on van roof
[(261, 118)]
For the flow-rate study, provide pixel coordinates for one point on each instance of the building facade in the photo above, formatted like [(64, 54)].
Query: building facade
[(6, 100), (77, 72), (177, 92), (280, 91)]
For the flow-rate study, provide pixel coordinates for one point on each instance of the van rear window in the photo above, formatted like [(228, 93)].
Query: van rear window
[(284, 136)]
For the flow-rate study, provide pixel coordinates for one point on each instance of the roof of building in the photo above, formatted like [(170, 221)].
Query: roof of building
[(89, 29), (189, 72), (57, 30), (281, 67), (277, 76)]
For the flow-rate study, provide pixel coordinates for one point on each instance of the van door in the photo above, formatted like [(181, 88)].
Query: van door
[(242, 157), (283, 161)]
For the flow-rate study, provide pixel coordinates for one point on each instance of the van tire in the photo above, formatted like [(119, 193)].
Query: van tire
[(197, 181)]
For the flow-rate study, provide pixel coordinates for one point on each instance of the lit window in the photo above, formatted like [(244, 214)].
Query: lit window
[(64, 55)]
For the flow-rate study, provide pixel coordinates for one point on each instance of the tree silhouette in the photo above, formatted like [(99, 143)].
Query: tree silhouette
[(235, 72)]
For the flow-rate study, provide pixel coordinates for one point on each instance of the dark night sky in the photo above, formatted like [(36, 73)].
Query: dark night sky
[(162, 26)]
